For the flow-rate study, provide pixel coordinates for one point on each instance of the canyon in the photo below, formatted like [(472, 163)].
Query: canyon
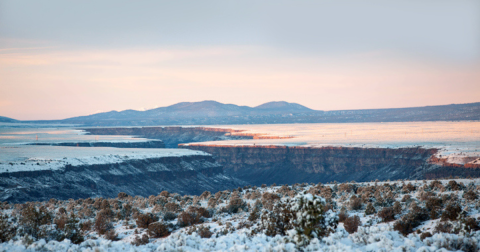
[(188, 174)]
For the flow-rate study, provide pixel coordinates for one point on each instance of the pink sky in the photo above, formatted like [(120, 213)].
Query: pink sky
[(56, 84), (62, 59)]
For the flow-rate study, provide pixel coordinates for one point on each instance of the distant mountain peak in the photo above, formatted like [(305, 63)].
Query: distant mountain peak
[(282, 105)]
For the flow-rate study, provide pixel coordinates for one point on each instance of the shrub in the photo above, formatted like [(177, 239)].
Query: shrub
[(387, 214), (111, 235), (355, 203), (122, 195), (397, 208), (143, 220), (140, 240), (411, 220), (7, 229), (165, 194), (370, 209), (470, 224), (278, 221), (313, 220), (425, 235), (31, 219), (408, 188), (269, 199), (343, 215), (168, 216), (351, 224), (406, 198), (102, 224), (204, 232), (186, 219), (453, 185), (253, 215), (443, 227), (235, 204), (158, 230), (470, 195), (452, 212), (172, 207)]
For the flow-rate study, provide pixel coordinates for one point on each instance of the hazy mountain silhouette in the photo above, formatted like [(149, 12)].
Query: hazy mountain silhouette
[(212, 112)]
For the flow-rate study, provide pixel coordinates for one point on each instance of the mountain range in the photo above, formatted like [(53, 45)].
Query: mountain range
[(212, 112)]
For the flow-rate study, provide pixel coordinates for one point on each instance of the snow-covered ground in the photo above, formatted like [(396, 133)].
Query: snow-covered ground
[(227, 230), (33, 158)]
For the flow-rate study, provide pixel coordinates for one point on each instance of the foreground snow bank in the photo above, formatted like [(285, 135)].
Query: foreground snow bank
[(366, 239)]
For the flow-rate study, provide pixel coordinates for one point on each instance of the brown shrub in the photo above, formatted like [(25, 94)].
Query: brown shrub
[(370, 209), (355, 203), (387, 214), (143, 220), (470, 195), (31, 219), (140, 240), (269, 199), (397, 207), (102, 224), (168, 216), (86, 226), (172, 207), (7, 229), (186, 219), (452, 212), (471, 224), (408, 188), (158, 230), (351, 224), (122, 195), (200, 211), (345, 188), (60, 222), (204, 232), (165, 194), (111, 235), (436, 185), (235, 204), (406, 198), (443, 227), (411, 220), (343, 215), (453, 185), (425, 235), (205, 195)]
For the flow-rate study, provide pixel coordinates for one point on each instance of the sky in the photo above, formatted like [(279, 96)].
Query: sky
[(61, 59)]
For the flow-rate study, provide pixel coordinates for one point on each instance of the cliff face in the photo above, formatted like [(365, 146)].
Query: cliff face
[(146, 144), (185, 175), (172, 136), (286, 165)]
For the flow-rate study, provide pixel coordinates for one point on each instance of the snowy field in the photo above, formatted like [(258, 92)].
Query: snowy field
[(33, 158), (376, 216), (454, 139)]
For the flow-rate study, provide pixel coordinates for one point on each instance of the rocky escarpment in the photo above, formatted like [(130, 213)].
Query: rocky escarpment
[(172, 136), (145, 144), (286, 165), (191, 174)]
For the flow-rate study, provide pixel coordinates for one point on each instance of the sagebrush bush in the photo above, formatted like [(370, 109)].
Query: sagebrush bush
[(7, 229), (102, 224), (158, 230), (370, 209), (351, 224), (387, 214), (143, 220), (452, 212), (355, 203)]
